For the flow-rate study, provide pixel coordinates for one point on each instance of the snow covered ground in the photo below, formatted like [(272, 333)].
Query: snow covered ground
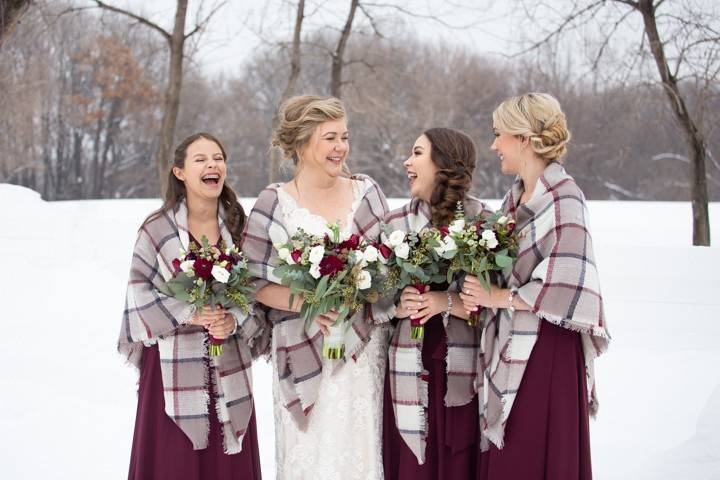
[(68, 403)]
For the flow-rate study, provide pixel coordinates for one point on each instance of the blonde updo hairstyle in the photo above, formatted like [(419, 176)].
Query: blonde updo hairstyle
[(298, 118), (539, 118)]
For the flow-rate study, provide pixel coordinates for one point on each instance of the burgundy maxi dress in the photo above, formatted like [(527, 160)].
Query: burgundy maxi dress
[(160, 450), (547, 435), (452, 443)]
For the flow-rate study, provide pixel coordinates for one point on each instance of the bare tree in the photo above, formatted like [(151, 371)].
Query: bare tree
[(10, 13), (295, 63), (694, 38), (176, 43), (338, 54)]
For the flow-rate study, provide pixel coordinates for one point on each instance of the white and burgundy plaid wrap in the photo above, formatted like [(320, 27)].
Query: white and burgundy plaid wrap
[(555, 273), (408, 378), (151, 317), (298, 352)]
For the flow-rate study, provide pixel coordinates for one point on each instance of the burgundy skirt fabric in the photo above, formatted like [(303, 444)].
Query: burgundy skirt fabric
[(547, 434), (161, 450), (452, 443)]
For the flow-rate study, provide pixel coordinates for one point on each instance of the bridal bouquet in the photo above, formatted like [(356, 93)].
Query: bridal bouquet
[(479, 246), (209, 275), (330, 273), (414, 259)]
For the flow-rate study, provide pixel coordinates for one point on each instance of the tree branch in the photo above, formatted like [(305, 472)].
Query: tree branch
[(143, 20)]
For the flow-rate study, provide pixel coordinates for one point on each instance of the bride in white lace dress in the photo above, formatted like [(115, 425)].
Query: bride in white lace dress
[(341, 438)]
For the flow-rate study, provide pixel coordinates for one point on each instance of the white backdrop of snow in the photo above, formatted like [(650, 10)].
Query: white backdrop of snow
[(68, 403)]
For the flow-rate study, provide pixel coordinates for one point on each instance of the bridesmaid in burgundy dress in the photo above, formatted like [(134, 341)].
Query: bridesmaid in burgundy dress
[(430, 427), (195, 415), (536, 383)]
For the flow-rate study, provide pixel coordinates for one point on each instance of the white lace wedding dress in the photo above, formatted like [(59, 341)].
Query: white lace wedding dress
[(343, 440)]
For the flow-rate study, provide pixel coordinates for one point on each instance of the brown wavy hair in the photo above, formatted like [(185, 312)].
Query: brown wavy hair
[(175, 189), (453, 153)]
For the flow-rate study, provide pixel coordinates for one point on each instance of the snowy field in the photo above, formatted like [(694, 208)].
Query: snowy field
[(68, 403)]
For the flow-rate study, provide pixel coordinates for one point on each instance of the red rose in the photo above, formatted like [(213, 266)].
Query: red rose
[(444, 230), (296, 255), (351, 243), (384, 250), (420, 287), (176, 265), (330, 265), (203, 268)]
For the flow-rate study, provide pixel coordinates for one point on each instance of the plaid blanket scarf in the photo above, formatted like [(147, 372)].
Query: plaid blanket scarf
[(408, 378), (556, 275), (151, 317), (298, 350)]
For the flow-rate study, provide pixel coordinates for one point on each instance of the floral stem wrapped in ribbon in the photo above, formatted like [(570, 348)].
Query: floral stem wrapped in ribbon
[(414, 260), (331, 273), (479, 247), (211, 275)]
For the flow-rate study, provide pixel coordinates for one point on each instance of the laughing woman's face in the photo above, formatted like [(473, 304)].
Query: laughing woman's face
[(421, 169), (204, 170)]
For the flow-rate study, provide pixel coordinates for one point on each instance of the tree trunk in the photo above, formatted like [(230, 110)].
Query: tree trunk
[(275, 156), (339, 53), (693, 136), (10, 13), (172, 93)]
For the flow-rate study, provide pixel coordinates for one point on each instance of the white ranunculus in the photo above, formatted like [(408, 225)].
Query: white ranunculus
[(457, 225), (490, 239), (316, 254), (440, 249), (220, 274), (371, 254), (187, 266), (315, 270), (402, 250), (449, 244), (356, 258), (396, 238), (502, 220), (284, 254), (364, 280)]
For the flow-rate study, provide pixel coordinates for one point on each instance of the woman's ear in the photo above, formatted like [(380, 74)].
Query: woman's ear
[(179, 174)]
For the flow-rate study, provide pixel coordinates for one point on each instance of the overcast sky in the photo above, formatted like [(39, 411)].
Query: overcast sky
[(240, 26)]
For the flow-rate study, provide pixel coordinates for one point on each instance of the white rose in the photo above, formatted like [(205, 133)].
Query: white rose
[(220, 274), (187, 266), (364, 280), (457, 225), (396, 238), (402, 250), (449, 244), (490, 239), (284, 254), (315, 270), (502, 220), (316, 254), (440, 249), (371, 254)]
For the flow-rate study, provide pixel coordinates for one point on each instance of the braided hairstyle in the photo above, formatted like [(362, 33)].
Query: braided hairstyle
[(453, 153)]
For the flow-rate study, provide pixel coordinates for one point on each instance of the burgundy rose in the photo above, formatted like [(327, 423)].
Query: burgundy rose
[(444, 230), (510, 227), (330, 265), (296, 255), (384, 250), (176, 265), (203, 268), (351, 243), (420, 287)]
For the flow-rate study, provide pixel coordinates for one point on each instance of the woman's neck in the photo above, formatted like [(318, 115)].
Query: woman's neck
[(202, 210), (531, 172), (314, 181)]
